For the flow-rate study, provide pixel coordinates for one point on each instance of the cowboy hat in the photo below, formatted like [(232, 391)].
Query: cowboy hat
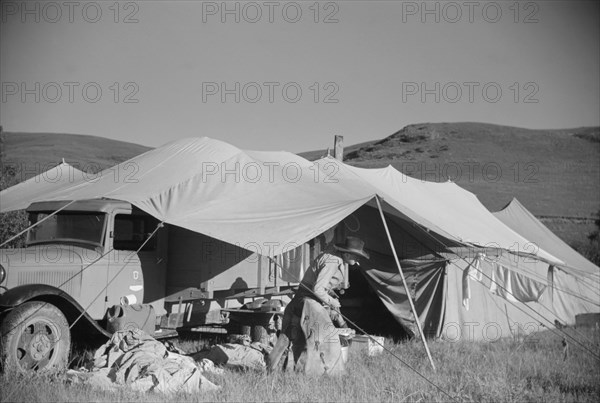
[(353, 245)]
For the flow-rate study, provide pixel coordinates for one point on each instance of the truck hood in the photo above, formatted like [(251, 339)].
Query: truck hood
[(56, 265)]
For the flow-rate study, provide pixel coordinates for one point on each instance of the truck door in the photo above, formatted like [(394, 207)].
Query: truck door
[(140, 277)]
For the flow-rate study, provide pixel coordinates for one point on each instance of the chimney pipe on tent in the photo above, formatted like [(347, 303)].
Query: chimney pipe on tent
[(338, 148)]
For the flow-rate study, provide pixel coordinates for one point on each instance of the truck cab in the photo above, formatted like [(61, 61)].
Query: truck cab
[(88, 252)]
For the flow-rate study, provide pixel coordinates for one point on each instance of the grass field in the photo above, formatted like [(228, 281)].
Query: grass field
[(533, 369)]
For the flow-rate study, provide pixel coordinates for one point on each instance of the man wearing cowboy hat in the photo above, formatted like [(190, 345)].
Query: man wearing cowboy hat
[(316, 293), (328, 272)]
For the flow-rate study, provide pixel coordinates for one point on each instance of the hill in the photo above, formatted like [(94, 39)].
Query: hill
[(29, 154)]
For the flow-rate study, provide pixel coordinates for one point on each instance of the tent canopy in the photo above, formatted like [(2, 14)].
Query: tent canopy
[(517, 217), (258, 200), (276, 200), (444, 208), (36, 188)]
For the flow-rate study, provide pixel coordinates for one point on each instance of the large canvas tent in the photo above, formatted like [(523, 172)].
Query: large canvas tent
[(457, 255)]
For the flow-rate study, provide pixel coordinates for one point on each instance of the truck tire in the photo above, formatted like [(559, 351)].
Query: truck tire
[(35, 336)]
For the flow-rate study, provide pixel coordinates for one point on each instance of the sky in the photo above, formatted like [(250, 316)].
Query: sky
[(272, 75)]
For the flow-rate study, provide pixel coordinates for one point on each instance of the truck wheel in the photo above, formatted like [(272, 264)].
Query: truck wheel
[(35, 336)]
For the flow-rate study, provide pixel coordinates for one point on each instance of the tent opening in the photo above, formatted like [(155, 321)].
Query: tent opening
[(363, 307)]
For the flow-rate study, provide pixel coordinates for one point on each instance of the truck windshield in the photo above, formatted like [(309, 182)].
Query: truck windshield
[(69, 227)]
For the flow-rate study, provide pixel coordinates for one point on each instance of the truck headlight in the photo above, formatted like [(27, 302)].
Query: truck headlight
[(2, 274)]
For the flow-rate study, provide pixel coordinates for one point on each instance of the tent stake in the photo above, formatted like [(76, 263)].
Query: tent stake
[(387, 231)]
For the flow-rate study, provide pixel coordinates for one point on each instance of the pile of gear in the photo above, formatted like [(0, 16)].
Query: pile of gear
[(133, 359), (137, 361)]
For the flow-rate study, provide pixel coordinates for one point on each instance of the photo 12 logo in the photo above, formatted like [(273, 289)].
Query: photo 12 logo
[(469, 91), (74, 172), (453, 12), (90, 92), (290, 92), (268, 172), (471, 171), (53, 12), (253, 12)]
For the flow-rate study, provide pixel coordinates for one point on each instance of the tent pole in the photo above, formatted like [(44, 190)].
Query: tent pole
[(412, 306)]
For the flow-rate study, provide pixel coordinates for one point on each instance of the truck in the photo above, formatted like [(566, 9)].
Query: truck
[(92, 267)]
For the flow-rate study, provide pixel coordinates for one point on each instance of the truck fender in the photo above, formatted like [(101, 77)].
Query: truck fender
[(57, 297)]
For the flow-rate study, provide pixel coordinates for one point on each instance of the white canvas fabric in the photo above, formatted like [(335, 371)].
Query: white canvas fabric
[(514, 286), (268, 203), (275, 201), (492, 316), (513, 298), (35, 189), (444, 208)]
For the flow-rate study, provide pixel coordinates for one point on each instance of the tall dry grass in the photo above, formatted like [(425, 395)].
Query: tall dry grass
[(534, 369)]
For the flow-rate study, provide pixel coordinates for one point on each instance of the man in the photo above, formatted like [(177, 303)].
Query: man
[(308, 320)]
